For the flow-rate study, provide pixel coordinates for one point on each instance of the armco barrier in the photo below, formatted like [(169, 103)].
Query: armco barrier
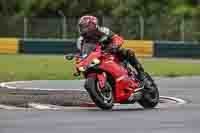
[(176, 49), (9, 45), (140, 47), (47, 46)]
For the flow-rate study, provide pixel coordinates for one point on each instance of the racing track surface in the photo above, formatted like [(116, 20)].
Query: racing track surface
[(178, 119)]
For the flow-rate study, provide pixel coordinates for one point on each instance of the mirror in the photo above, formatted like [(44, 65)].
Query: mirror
[(69, 57)]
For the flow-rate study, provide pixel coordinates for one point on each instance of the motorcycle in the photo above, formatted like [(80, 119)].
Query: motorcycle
[(109, 80)]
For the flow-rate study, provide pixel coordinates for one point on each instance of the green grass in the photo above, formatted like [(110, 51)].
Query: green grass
[(172, 67), (37, 67), (33, 67)]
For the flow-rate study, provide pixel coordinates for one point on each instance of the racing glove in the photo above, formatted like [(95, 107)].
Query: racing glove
[(114, 48)]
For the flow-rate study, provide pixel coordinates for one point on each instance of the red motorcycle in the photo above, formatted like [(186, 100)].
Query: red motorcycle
[(109, 81)]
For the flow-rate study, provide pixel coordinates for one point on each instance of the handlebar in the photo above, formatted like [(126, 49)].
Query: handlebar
[(70, 56)]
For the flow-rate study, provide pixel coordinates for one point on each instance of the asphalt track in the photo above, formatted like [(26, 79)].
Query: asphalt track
[(184, 118)]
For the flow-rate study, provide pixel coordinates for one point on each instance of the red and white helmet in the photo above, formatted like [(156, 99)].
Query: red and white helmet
[(87, 24)]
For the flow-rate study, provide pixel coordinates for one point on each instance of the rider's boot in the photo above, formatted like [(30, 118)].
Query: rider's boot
[(140, 75), (140, 70), (137, 95)]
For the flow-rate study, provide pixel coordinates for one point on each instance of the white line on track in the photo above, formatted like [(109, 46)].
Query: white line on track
[(8, 85), (7, 107), (39, 106), (177, 100), (44, 106), (168, 99)]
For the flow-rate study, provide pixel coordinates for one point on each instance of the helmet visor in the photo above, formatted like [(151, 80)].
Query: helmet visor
[(83, 28)]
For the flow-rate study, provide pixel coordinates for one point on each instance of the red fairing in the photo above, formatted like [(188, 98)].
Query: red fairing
[(93, 55), (124, 88), (102, 80), (124, 85)]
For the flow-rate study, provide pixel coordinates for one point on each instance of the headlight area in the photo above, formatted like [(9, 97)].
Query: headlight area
[(93, 63), (96, 61), (82, 69)]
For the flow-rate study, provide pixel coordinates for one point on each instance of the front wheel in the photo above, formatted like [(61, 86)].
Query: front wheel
[(150, 97), (102, 97)]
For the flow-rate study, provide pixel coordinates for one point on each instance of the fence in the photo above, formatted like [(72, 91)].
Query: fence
[(173, 28)]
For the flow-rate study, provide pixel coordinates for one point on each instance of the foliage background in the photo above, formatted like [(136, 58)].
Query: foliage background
[(162, 20), (46, 8)]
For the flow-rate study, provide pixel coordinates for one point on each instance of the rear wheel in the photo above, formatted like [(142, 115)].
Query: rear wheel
[(150, 97), (102, 97)]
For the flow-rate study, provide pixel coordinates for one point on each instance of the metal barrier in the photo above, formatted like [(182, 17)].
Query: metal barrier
[(143, 48), (47, 46), (176, 49)]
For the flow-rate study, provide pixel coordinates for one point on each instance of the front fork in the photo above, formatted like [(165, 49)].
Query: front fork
[(101, 77)]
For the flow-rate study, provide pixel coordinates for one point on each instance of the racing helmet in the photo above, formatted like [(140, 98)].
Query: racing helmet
[(87, 24)]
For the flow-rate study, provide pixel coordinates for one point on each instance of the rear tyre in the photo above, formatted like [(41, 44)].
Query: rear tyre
[(150, 97), (103, 98)]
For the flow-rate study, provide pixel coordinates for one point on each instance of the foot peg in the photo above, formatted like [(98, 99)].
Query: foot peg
[(137, 95)]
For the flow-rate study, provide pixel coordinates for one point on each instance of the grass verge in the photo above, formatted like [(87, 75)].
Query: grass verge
[(54, 67)]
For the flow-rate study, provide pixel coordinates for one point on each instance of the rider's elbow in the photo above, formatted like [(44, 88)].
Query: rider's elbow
[(118, 40)]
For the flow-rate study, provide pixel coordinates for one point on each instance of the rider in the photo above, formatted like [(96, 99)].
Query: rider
[(91, 33)]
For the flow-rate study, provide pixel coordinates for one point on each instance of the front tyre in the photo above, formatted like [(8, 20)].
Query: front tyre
[(103, 98), (151, 95)]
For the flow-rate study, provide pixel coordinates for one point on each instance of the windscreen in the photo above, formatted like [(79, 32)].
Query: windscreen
[(87, 49)]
